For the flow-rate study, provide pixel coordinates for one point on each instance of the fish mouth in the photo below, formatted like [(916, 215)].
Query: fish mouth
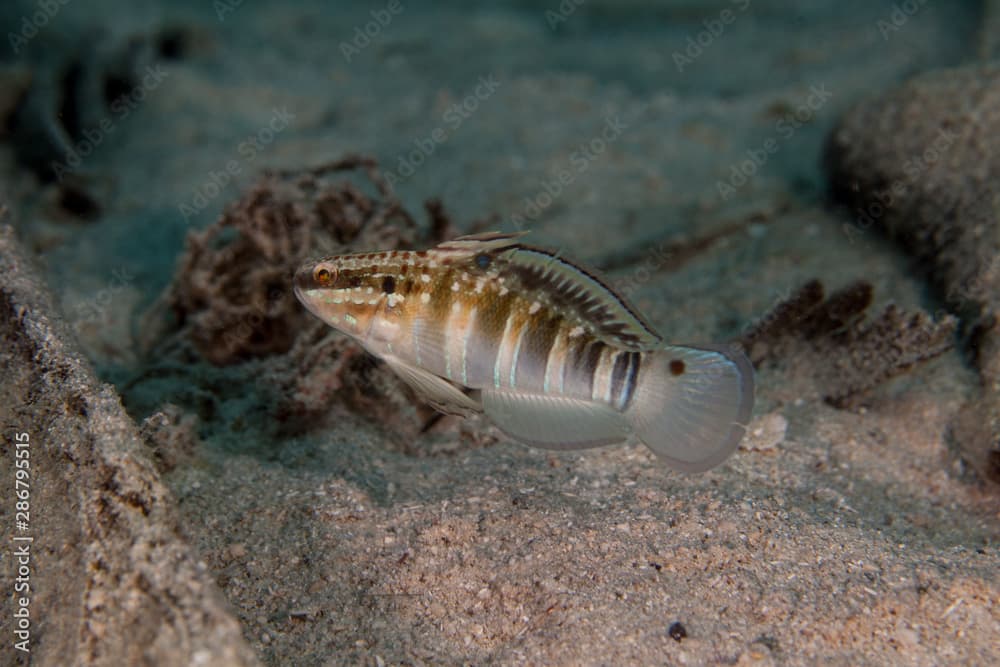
[(303, 299), (302, 284)]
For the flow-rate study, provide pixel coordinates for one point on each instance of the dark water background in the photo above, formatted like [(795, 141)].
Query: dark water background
[(703, 81)]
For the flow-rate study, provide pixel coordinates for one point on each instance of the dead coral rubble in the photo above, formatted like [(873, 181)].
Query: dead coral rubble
[(850, 353), (232, 293), (233, 300)]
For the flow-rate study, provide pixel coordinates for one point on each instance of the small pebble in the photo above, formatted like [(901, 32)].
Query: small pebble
[(767, 432)]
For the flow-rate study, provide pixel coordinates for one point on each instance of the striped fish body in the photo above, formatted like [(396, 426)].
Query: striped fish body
[(541, 345)]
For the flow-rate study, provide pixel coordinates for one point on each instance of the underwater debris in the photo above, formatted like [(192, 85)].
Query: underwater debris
[(233, 302), (671, 252), (975, 431), (849, 353), (171, 436), (232, 292)]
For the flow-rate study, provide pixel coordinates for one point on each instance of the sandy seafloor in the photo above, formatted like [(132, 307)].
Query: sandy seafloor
[(831, 537)]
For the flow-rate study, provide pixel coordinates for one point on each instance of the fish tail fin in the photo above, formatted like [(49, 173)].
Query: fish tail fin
[(692, 404)]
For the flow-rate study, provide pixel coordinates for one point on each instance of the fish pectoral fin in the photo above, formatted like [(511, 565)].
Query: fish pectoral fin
[(555, 422), (437, 391)]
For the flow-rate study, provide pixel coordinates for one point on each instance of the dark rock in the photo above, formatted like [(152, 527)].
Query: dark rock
[(922, 163), (112, 580)]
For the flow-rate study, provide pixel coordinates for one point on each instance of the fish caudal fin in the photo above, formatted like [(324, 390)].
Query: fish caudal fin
[(692, 404)]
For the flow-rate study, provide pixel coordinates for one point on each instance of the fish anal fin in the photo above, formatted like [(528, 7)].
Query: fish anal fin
[(554, 422)]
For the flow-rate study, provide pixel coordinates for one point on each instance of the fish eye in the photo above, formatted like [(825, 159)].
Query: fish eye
[(388, 284), (322, 275), (483, 260)]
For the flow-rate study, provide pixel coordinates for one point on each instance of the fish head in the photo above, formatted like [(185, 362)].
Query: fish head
[(346, 296)]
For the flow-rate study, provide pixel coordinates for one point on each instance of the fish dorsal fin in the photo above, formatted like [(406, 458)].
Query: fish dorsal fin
[(485, 242), (582, 294)]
